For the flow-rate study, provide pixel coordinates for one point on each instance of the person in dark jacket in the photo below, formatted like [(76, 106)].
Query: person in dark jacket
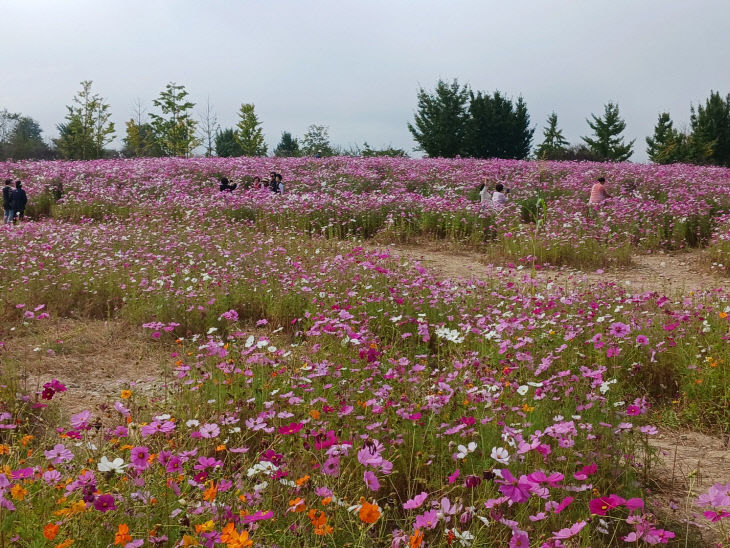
[(20, 199), (226, 186), (7, 202)]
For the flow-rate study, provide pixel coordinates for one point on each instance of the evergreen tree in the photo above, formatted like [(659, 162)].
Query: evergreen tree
[(87, 129), (174, 128), (497, 127), (24, 141), (248, 132), (441, 119), (711, 131), (667, 145), (607, 142), (226, 145), (287, 147), (316, 140), (553, 143)]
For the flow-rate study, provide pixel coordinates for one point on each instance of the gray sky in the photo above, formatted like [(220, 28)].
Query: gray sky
[(357, 66)]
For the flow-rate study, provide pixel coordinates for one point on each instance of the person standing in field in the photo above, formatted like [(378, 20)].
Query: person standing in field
[(598, 192), (279, 184), (19, 201), (7, 202)]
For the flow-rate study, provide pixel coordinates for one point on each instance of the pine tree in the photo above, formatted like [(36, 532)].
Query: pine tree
[(497, 127), (607, 143), (553, 144), (667, 145), (440, 123), (248, 132), (711, 131), (226, 145), (287, 147), (174, 127)]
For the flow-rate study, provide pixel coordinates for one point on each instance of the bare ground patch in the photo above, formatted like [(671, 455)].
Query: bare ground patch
[(94, 359)]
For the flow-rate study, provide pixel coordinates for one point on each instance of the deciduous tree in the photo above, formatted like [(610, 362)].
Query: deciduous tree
[(174, 127), (87, 129), (248, 132)]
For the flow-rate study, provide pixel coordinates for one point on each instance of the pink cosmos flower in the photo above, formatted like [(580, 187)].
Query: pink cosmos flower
[(416, 501), (209, 430), (569, 531), (602, 505), (371, 481), (139, 456), (59, 454), (104, 503), (427, 520), (331, 466)]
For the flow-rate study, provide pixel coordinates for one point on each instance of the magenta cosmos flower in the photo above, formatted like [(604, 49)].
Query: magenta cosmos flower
[(139, 457)]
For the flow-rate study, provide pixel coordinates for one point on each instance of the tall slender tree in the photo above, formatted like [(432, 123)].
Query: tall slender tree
[(87, 129), (209, 127), (174, 127), (553, 144), (441, 120), (248, 132)]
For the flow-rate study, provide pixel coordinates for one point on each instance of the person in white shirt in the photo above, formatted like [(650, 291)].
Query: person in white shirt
[(484, 193), (499, 197)]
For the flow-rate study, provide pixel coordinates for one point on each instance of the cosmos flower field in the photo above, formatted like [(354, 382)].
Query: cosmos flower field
[(322, 391)]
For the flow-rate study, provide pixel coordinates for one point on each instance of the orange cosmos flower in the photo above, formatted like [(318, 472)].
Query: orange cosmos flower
[(210, 492), (122, 537), (317, 518), (65, 544), (369, 513), (50, 531), (297, 505), (233, 539), (18, 492), (126, 394), (416, 539), (301, 481)]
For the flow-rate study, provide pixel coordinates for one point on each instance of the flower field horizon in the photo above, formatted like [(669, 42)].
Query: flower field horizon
[(322, 391)]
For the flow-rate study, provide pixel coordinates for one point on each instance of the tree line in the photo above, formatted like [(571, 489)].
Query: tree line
[(451, 120), (172, 129)]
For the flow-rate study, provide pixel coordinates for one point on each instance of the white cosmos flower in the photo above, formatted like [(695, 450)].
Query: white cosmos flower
[(522, 390), (117, 465), (500, 454), (465, 538), (465, 450)]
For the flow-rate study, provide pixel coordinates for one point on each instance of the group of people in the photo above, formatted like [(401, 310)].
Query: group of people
[(498, 198), (14, 202), (274, 183)]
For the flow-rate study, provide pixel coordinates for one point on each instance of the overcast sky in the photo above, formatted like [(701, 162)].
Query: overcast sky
[(356, 66)]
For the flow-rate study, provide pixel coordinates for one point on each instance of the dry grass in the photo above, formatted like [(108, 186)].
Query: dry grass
[(94, 359)]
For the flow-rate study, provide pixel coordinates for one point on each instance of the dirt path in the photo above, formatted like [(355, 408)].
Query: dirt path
[(94, 359), (670, 274)]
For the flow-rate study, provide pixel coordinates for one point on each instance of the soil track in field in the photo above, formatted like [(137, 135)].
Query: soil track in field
[(670, 274)]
